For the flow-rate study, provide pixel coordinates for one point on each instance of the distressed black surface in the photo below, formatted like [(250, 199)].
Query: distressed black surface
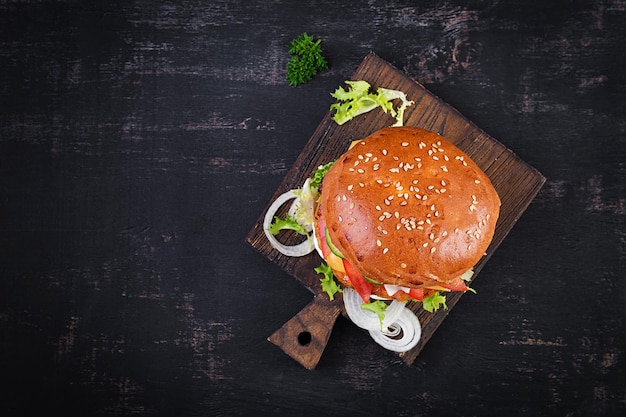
[(140, 140)]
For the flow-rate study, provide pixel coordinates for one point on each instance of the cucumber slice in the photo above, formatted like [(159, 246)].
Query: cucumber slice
[(332, 247), (372, 281)]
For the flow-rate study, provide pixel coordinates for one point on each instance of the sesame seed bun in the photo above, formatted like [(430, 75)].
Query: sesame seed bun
[(407, 207)]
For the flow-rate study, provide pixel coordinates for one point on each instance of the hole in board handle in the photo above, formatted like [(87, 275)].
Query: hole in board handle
[(304, 338)]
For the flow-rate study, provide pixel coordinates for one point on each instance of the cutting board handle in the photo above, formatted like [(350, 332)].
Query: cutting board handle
[(306, 334)]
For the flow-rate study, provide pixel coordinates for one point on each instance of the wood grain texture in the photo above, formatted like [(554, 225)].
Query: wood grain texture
[(516, 182), (140, 140)]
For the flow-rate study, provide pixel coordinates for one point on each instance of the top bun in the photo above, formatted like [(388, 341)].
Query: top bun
[(407, 207)]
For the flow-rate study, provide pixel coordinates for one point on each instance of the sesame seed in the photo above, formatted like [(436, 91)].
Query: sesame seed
[(394, 170), (437, 213), (379, 181), (477, 181), (387, 202), (431, 236), (360, 170), (435, 158), (378, 208), (444, 168), (402, 265), (433, 249), (361, 184), (344, 198), (350, 187), (379, 243), (425, 244), (444, 233), (340, 219), (384, 151), (385, 250), (443, 183), (405, 144), (443, 190), (381, 218), (376, 167), (445, 157), (419, 197), (430, 187)]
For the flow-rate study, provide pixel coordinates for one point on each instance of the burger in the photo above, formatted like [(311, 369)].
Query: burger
[(404, 214)]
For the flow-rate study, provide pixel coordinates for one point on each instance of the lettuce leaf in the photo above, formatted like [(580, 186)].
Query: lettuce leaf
[(358, 100), (329, 285), (378, 307), (434, 301), (288, 223)]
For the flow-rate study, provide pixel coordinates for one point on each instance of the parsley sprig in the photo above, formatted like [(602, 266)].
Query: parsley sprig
[(306, 61)]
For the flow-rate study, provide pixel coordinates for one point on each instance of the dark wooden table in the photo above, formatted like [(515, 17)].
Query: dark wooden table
[(140, 141)]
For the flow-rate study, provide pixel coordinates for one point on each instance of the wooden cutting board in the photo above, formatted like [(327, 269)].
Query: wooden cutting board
[(305, 336)]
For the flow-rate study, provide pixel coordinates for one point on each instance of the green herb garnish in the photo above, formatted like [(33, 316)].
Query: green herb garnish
[(307, 60)]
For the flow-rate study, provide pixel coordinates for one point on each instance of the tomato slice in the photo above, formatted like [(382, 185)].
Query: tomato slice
[(417, 294), (360, 284)]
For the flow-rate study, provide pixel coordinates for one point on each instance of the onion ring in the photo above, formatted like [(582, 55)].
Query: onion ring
[(410, 336), (366, 319), (301, 249)]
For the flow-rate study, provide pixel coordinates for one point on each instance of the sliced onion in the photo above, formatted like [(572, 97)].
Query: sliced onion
[(315, 243), (300, 249), (467, 275), (366, 319), (391, 338), (392, 289)]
